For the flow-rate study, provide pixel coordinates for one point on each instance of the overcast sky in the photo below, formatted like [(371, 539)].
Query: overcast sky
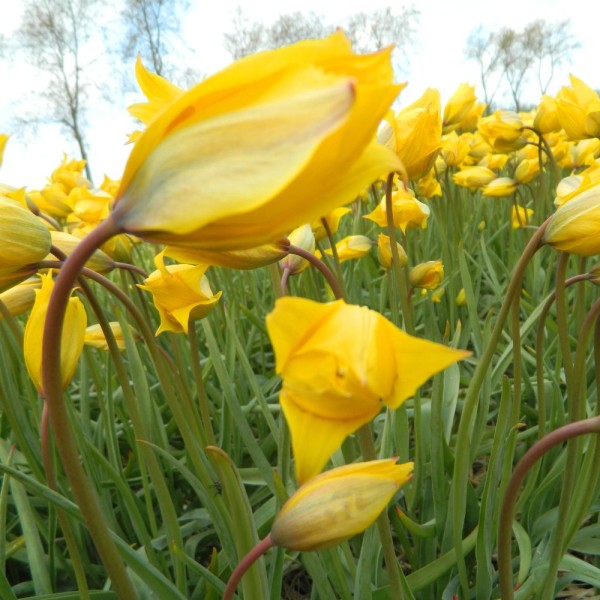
[(436, 60)]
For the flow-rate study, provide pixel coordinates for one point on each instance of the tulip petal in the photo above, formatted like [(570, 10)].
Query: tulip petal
[(231, 164), (315, 439)]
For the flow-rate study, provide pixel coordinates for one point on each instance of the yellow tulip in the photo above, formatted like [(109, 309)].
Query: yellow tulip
[(500, 187), (24, 239), (407, 211), (503, 130), (73, 334), (461, 297), (352, 246), (521, 216), (384, 252), (302, 237), (181, 293), (454, 149), (3, 139), (95, 338), (428, 275), (458, 107), (20, 298), (231, 259), (575, 225), (99, 261), (333, 221), (580, 153), (429, 186), (275, 140), (415, 134), (339, 364), (474, 177), (578, 110), (338, 504), (546, 117), (527, 170)]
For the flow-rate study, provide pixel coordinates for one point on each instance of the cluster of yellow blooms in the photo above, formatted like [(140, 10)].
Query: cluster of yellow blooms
[(222, 175)]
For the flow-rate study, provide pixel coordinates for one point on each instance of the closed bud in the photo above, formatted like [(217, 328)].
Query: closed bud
[(20, 298), (66, 243), (427, 275), (302, 237), (95, 338), (338, 504), (73, 333), (384, 252)]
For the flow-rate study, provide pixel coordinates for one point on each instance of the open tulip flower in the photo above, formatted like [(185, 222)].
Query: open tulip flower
[(340, 364), (338, 504), (231, 163)]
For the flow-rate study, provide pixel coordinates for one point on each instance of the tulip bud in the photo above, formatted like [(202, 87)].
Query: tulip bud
[(333, 221), (24, 239), (575, 225), (352, 246), (500, 187), (521, 216), (427, 275), (302, 237), (20, 298), (66, 243), (384, 252), (95, 338), (474, 177), (461, 297), (338, 504), (458, 106), (73, 333), (407, 211)]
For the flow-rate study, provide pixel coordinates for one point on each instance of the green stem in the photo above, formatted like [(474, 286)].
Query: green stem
[(407, 316), (51, 376), (365, 439), (334, 252), (507, 514), (334, 284), (463, 438)]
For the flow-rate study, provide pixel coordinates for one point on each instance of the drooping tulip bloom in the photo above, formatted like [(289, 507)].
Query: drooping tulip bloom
[(333, 222), (384, 252), (474, 177), (521, 216), (181, 293), (302, 237), (407, 211), (275, 140), (458, 107), (578, 109), (503, 130), (338, 504), (575, 226), (415, 134), (427, 275), (95, 338), (352, 246), (340, 364), (73, 334), (500, 187), (20, 298)]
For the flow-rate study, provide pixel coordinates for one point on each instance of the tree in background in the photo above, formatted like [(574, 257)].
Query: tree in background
[(150, 30), (54, 37), (508, 58), (367, 31)]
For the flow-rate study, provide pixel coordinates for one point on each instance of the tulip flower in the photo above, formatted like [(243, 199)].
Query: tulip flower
[(521, 216), (3, 139), (474, 177), (352, 246), (429, 186), (384, 252), (302, 237), (340, 363), (20, 298), (181, 293), (458, 107), (95, 338), (461, 297), (500, 187), (428, 275), (252, 258), (578, 109), (407, 211), (415, 134), (275, 140), (72, 337), (574, 226), (338, 504), (333, 222), (546, 117), (503, 130), (99, 261)]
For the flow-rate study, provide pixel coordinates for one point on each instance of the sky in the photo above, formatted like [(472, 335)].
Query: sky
[(436, 59)]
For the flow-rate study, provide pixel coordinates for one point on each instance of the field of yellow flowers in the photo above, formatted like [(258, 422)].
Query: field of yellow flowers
[(307, 346)]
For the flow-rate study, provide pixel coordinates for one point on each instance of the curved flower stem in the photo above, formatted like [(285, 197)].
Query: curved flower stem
[(59, 418), (463, 438), (131, 268), (285, 276), (507, 513), (334, 284), (365, 440), (244, 564)]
